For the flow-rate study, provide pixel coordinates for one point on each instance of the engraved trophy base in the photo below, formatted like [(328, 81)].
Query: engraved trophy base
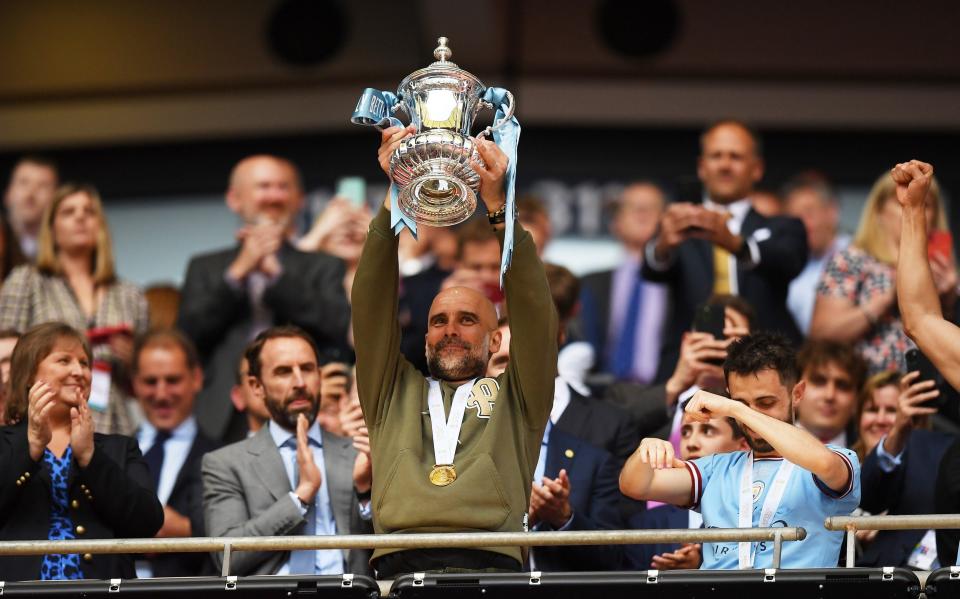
[(438, 186)]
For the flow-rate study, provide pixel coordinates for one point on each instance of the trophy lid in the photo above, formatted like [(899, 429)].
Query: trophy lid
[(441, 68)]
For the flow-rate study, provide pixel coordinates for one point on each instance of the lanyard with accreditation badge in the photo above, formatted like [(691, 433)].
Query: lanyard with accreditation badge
[(746, 551)]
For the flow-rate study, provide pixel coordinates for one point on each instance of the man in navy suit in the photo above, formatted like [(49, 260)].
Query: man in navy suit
[(698, 439), (166, 380), (724, 246), (577, 490), (575, 484)]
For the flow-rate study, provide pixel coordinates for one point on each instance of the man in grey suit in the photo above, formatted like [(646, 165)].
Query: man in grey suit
[(291, 478)]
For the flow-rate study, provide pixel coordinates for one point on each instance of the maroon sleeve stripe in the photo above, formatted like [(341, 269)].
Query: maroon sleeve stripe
[(830, 492), (696, 484)]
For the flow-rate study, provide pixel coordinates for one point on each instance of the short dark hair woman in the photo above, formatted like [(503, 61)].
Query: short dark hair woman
[(60, 479)]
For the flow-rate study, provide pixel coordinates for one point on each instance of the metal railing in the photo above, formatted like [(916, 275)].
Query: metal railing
[(851, 524), (228, 545)]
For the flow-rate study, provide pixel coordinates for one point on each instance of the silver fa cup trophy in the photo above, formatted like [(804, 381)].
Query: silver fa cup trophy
[(437, 184)]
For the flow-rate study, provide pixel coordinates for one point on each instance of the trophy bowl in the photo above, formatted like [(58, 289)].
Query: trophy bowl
[(432, 169), (438, 185)]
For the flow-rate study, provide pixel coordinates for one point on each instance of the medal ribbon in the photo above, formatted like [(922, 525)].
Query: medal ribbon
[(746, 552), (446, 431), (507, 136), (375, 108)]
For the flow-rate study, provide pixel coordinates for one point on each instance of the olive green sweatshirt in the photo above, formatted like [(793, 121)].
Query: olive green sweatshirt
[(501, 434)]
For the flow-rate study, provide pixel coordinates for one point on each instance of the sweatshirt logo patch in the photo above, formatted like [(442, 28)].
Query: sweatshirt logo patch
[(483, 396)]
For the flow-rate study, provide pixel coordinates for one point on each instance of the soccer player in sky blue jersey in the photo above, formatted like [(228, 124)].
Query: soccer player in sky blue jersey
[(788, 479)]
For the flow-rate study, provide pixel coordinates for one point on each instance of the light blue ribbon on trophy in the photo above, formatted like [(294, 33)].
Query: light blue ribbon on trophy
[(375, 108), (506, 135)]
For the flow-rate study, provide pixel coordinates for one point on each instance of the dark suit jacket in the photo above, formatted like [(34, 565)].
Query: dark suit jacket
[(639, 557), (113, 498), (947, 501), (783, 255), (601, 424), (593, 320), (907, 490), (647, 406), (187, 498), (309, 294), (594, 495)]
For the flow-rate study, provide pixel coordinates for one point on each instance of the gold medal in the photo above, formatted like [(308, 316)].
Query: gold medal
[(443, 474)]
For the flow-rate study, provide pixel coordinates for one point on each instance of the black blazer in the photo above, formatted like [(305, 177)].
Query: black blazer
[(662, 517), (187, 498), (647, 406), (217, 317), (909, 489), (594, 496), (111, 498), (601, 424), (783, 255)]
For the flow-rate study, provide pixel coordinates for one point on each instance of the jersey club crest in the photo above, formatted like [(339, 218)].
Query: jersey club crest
[(483, 396)]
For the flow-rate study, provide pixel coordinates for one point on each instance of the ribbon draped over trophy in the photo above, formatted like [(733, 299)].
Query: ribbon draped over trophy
[(432, 179)]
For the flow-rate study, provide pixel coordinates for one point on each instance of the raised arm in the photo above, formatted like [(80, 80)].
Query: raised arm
[(530, 308), (791, 442), (376, 331), (923, 321)]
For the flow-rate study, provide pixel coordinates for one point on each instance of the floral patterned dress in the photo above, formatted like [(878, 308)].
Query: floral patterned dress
[(857, 276)]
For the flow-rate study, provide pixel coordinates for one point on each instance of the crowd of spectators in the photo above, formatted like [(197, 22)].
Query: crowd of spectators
[(229, 407)]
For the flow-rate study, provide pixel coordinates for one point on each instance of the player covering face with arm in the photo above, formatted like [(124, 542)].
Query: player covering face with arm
[(789, 477)]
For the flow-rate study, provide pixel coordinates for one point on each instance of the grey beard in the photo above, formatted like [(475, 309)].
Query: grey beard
[(467, 367)]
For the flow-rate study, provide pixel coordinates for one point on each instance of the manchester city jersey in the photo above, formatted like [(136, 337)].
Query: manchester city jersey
[(806, 502)]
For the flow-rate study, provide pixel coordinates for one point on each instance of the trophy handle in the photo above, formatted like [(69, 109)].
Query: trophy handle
[(401, 106), (511, 105)]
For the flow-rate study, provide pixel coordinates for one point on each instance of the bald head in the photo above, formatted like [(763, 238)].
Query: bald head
[(264, 187), (461, 334), (459, 299)]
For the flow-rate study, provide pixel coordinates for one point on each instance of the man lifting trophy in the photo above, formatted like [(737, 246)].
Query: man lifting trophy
[(455, 452)]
